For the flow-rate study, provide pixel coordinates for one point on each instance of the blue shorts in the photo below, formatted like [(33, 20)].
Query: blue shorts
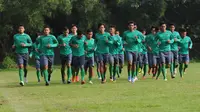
[(47, 61), (156, 59), (150, 59), (144, 58), (37, 63), (132, 57), (78, 61), (121, 59), (113, 59), (22, 59), (184, 58), (89, 62), (165, 57), (66, 59), (103, 58), (174, 55)]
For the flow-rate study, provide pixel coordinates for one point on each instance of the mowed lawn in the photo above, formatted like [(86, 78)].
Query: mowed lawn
[(143, 96)]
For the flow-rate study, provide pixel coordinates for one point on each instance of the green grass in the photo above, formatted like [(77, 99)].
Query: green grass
[(144, 96)]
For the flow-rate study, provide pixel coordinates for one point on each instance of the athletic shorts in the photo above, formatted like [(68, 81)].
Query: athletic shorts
[(121, 59), (89, 62), (132, 57), (37, 63), (113, 59), (103, 58), (78, 61), (174, 55), (47, 61), (144, 58), (165, 57), (22, 58), (66, 59), (156, 59), (184, 58), (150, 59)]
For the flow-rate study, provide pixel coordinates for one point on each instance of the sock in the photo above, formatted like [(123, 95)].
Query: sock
[(38, 75), (46, 75), (25, 72), (117, 71), (120, 70), (69, 73), (21, 72), (63, 73), (129, 72), (185, 67), (90, 73), (82, 74), (114, 71), (145, 69), (159, 71), (50, 71), (137, 70), (163, 71), (172, 69), (111, 71), (77, 71), (181, 69)]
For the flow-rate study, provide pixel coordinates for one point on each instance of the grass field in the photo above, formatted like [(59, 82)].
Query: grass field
[(143, 96)]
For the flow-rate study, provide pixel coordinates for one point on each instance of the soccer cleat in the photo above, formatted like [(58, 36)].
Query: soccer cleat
[(47, 84), (99, 78), (64, 82), (165, 79), (39, 80), (77, 79), (173, 76), (73, 79), (136, 79), (129, 78), (21, 83), (175, 71), (133, 80), (111, 79), (82, 82), (90, 82), (69, 82), (25, 79), (143, 78), (114, 79)]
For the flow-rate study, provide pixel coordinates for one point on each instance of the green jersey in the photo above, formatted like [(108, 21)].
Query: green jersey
[(152, 43), (143, 45), (132, 39), (114, 44), (34, 51), (175, 36), (79, 51), (19, 39), (120, 48), (163, 38), (185, 44), (43, 43), (101, 42), (62, 39), (90, 47)]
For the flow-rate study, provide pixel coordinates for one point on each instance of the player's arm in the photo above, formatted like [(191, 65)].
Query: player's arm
[(178, 38), (71, 43), (171, 39), (29, 41), (139, 38), (55, 42), (190, 44), (124, 39)]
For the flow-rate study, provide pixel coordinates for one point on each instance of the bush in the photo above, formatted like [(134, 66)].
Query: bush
[(8, 62)]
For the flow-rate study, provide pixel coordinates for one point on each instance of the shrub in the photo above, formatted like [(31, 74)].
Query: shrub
[(8, 62)]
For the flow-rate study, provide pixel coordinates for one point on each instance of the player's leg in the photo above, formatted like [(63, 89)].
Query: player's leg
[(81, 66), (150, 58), (20, 62), (186, 61), (50, 66), (172, 67), (44, 65), (97, 65), (101, 66), (134, 67), (181, 61), (175, 61), (138, 64), (163, 60), (111, 66), (69, 68), (116, 66), (145, 64), (91, 71), (105, 63), (63, 66), (74, 60), (121, 63), (38, 71), (25, 58), (129, 67)]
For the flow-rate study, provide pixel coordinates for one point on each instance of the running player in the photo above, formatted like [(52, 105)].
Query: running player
[(22, 42), (131, 40), (78, 53), (185, 44), (102, 42), (47, 43), (65, 55)]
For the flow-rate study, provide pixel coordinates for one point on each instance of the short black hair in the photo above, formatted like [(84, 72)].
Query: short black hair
[(182, 30), (100, 24), (89, 30), (162, 22), (152, 27), (46, 26), (20, 25), (157, 29), (65, 28), (131, 22), (113, 26), (79, 32), (143, 29), (171, 24), (74, 25)]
